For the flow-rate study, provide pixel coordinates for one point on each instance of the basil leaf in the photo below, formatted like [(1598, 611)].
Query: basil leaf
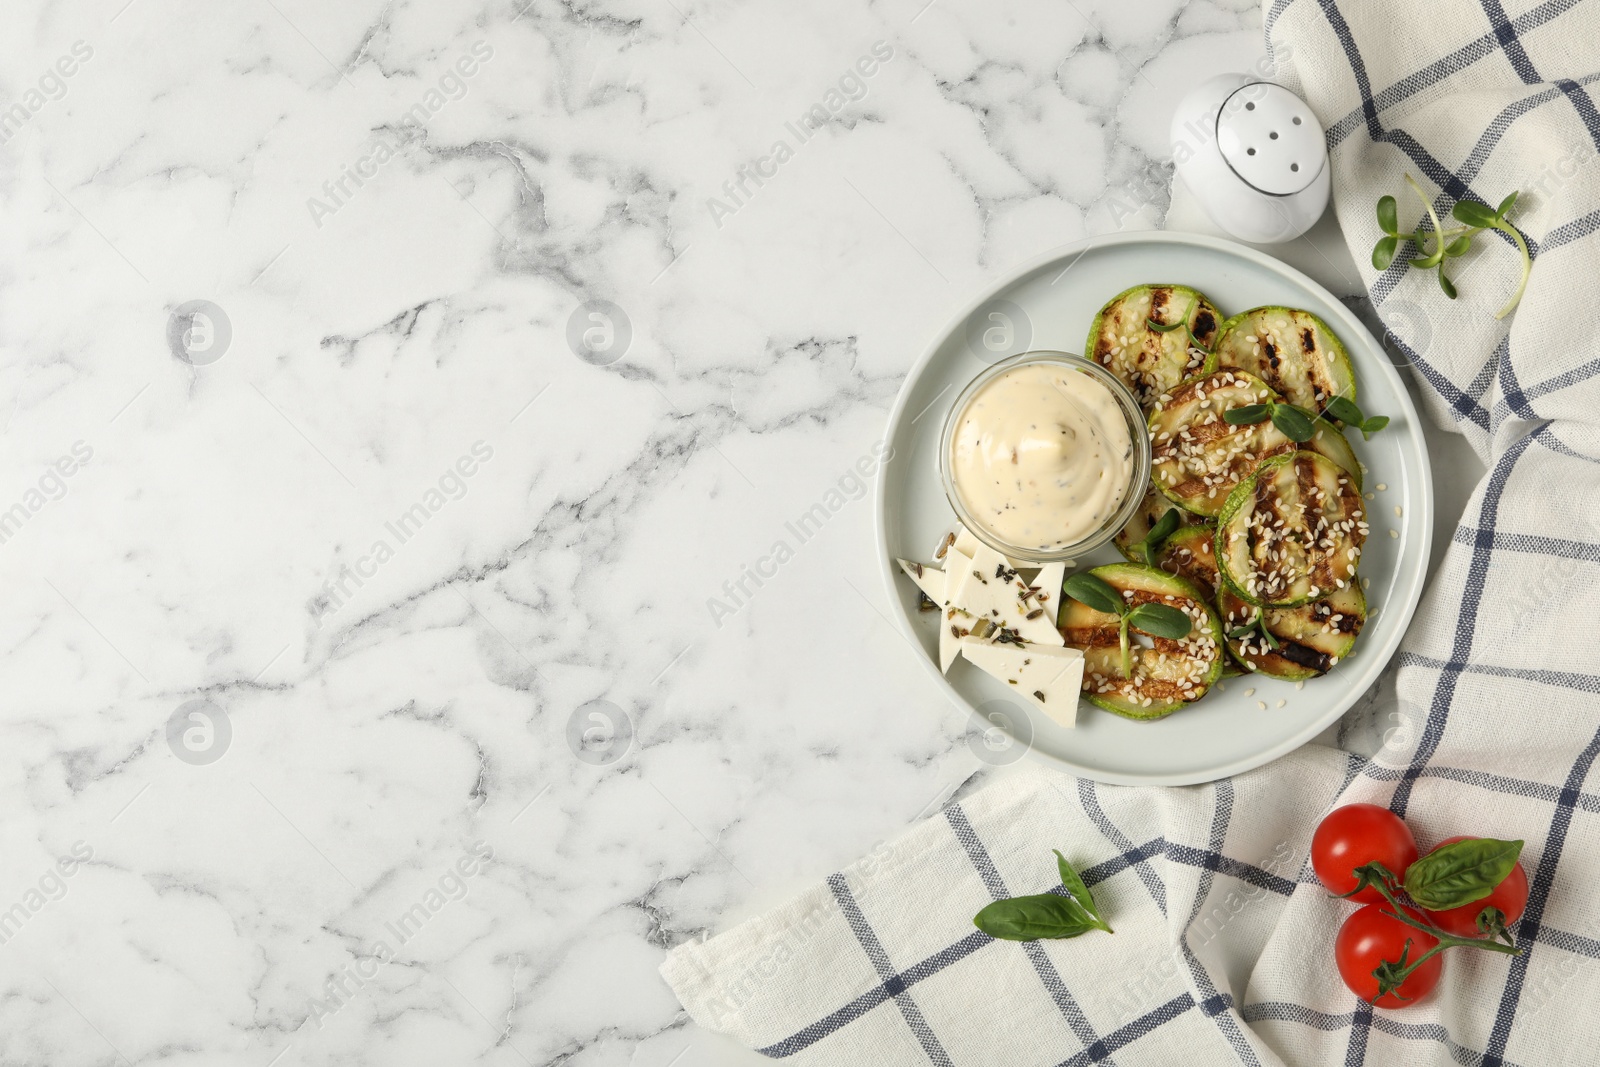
[(1458, 874), (1383, 252), (1505, 206), (1032, 918), (1345, 410), (1160, 620), (1473, 213), (1246, 414), (1294, 423), (1096, 592), (1388, 217), (1079, 891)]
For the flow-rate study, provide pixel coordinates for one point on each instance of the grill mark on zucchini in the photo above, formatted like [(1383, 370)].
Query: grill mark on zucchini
[(1147, 361), (1157, 687), (1150, 510), (1312, 638), (1281, 346), (1282, 541), (1198, 457)]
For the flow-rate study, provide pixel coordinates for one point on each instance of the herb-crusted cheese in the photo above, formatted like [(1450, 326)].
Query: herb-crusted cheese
[(1050, 678), (989, 588)]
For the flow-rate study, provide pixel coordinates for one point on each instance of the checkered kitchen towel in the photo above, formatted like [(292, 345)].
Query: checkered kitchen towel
[(1223, 943)]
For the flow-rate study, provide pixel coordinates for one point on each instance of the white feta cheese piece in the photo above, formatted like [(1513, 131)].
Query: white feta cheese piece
[(990, 588), (966, 544), (951, 617), (1043, 629), (1048, 677), (929, 579)]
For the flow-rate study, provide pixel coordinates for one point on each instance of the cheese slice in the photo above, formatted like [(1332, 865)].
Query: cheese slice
[(989, 588), (929, 579), (1048, 582), (1050, 678), (949, 615), (968, 545)]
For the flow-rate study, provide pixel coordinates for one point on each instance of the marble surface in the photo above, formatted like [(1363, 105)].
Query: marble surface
[(363, 690)]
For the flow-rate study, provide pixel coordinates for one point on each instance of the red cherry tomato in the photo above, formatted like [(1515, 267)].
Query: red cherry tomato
[(1357, 834), (1510, 896), (1371, 936)]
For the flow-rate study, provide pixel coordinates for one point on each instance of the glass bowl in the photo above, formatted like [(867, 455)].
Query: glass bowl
[(1139, 477)]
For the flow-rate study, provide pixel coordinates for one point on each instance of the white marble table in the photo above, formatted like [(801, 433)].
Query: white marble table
[(309, 585)]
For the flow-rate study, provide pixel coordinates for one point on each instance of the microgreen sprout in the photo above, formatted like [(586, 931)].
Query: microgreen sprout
[(1181, 324), (1158, 620), (1298, 424), (1449, 243)]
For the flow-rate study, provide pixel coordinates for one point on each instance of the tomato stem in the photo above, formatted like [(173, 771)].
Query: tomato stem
[(1391, 975)]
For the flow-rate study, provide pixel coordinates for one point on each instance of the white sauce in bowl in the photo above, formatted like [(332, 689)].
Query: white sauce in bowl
[(1042, 456)]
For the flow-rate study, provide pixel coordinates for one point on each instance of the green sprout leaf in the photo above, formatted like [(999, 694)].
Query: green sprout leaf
[(1459, 246), (1345, 410), (1505, 205), (1388, 217), (1160, 620), (1446, 284), (1373, 425), (1383, 252), (1246, 414), (1150, 547), (1256, 625), (1473, 213), (1292, 422), (1095, 592)]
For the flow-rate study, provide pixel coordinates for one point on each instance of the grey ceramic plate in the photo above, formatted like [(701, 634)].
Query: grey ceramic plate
[(1049, 304)]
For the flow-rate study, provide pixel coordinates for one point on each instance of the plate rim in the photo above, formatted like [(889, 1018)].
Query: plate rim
[(1413, 585)]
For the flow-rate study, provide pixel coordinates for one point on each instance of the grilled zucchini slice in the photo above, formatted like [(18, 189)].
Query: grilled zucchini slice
[(1151, 509), (1291, 532), (1165, 678), (1191, 553), (1197, 457), (1148, 361), (1312, 638), (1291, 350)]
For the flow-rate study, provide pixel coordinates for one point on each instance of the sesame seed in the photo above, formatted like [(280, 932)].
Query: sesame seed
[(1381, 487), (1394, 533), (1262, 704), (1281, 703)]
